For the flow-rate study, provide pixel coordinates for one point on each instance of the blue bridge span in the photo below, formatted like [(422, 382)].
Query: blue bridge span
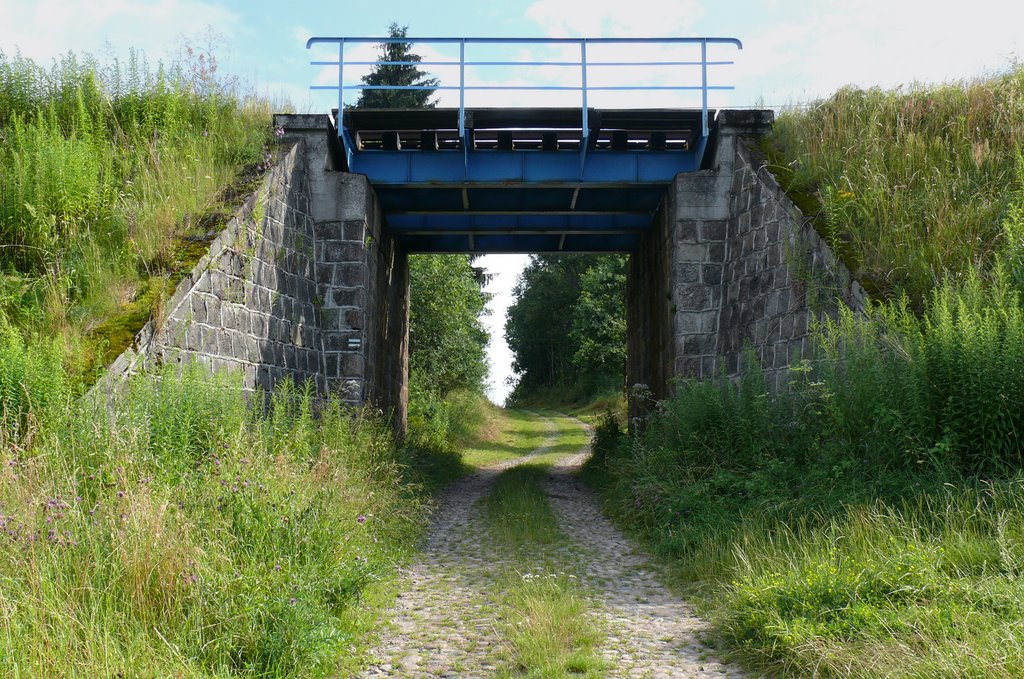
[(527, 178)]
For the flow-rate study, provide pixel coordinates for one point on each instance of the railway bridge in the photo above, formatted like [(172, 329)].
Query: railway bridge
[(311, 280)]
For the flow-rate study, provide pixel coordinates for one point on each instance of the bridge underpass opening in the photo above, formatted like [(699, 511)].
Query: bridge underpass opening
[(512, 195)]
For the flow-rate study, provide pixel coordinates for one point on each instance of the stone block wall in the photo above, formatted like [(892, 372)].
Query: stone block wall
[(780, 275), (304, 282), (250, 304), (729, 263), (344, 277)]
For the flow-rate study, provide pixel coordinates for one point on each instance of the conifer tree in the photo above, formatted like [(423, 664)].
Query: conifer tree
[(391, 74)]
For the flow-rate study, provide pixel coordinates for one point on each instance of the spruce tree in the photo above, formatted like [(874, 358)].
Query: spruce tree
[(389, 74)]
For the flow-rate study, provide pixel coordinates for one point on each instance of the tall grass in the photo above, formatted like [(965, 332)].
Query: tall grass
[(867, 521), (912, 183), (184, 531), (104, 170)]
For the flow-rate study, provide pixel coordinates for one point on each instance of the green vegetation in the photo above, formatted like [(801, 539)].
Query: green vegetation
[(910, 185), (867, 521), (185, 531), (182, 528), (446, 337), (567, 329), (110, 175), (547, 623)]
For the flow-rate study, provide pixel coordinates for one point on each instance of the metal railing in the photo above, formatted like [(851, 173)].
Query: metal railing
[(584, 88)]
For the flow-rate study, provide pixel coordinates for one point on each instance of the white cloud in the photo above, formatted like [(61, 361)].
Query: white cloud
[(613, 18), (803, 49), (42, 29), (878, 42)]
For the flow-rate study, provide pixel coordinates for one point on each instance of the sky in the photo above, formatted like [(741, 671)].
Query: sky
[(793, 50)]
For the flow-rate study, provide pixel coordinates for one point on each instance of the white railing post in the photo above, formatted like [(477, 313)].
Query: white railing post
[(704, 87)]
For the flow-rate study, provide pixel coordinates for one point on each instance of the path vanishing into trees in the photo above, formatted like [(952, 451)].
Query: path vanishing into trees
[(477, 605)]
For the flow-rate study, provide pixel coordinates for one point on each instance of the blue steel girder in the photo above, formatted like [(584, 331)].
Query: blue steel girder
[(522, 167), (500, 222), (519, 242), (507, 197)]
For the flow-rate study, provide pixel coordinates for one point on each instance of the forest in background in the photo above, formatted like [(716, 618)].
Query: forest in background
[(566, 328)]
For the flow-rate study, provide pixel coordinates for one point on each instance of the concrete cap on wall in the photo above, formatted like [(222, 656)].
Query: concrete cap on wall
[(745, 121)]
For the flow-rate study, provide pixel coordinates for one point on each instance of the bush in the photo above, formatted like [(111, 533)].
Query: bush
[(32, 384)]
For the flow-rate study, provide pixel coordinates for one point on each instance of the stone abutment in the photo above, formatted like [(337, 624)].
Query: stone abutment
[(730, 265)]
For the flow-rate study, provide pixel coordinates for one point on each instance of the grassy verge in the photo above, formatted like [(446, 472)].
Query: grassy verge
[(868, 521), (517, 433), (548, 627), (185, 532), (444, 434)]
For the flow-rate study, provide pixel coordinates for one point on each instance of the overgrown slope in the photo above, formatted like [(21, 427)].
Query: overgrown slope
[(868, 521), (181, 529), (112, 179), (912, 183)]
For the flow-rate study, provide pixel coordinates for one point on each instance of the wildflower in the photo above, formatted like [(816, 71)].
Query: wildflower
[(278, 132), (361, 519)]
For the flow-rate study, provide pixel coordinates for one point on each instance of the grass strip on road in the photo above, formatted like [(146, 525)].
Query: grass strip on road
[(549, 628)]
